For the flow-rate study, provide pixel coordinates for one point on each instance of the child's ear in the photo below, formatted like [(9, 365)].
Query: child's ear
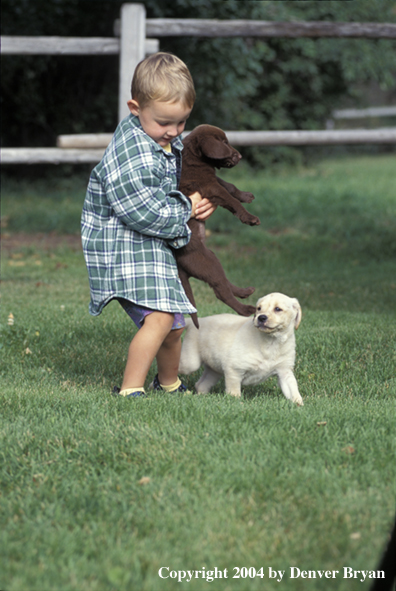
[(133, 107)]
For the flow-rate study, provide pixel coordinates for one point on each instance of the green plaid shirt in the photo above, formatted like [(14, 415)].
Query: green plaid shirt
[(133, 216)]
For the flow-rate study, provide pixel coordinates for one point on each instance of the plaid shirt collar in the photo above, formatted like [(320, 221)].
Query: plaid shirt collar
[(176, 143)]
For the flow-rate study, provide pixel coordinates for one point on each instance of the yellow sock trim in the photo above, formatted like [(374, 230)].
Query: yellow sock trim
[(171, 387), (128, 391)]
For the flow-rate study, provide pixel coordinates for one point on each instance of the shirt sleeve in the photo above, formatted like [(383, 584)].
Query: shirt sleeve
[(145, 202)]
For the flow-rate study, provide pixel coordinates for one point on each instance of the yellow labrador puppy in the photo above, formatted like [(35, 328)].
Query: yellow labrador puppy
[(245, 351)]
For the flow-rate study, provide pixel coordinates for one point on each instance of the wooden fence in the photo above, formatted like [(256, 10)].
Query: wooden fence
[(136, 37), (370, 112)]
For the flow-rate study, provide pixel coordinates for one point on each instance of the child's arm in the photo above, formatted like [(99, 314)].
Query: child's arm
[(147, 204), (195, 199)]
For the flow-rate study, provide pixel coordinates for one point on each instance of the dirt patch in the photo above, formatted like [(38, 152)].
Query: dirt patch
[(47, 242)]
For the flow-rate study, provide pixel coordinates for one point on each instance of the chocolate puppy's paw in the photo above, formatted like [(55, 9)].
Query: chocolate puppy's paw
[(246, 197), (245, 310), (254, 221)]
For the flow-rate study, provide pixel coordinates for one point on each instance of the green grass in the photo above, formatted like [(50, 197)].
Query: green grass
[(226, 483), (49, 204)]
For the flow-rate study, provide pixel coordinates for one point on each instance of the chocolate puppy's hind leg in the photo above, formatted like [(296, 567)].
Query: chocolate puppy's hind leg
[(242, 292), (204, 265), (189, 293)]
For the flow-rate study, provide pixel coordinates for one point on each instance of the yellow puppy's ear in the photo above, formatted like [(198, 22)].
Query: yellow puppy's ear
[(297, 308)]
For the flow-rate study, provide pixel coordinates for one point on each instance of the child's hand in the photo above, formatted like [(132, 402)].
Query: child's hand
[(202, 209)]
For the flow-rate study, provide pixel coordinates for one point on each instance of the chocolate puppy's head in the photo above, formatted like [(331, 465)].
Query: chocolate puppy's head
[(210, 144)]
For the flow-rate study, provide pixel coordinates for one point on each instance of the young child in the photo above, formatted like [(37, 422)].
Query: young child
[(133, 216)]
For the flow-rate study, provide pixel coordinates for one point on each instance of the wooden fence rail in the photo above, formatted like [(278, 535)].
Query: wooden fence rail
[(343, 114), (196, 28), (67, 45), (136, 37), (89, 148), (163, 27), (383, 135), (363, 113)]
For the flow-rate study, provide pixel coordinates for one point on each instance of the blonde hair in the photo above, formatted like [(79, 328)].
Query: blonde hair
[(163, 77)]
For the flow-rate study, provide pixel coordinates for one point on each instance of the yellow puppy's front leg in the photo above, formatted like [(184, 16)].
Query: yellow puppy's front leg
[(288, 385), (233, 382)]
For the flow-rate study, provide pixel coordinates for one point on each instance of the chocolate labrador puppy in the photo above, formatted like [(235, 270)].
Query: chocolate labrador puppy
[(205, 149)]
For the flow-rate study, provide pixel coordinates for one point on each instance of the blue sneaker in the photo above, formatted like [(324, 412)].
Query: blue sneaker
[(157, 386), (116, 392)]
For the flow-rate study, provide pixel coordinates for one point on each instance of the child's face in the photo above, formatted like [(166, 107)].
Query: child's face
[(161, 121)]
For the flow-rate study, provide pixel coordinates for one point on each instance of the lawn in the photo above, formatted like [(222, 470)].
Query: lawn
[(103, 494)]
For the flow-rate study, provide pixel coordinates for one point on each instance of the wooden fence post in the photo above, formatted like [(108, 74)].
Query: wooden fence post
[(132, 41)]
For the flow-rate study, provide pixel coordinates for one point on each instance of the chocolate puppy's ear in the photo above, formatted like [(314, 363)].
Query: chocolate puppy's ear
[(214, 148)]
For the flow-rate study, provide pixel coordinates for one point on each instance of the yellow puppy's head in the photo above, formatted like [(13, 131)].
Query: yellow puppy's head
[(276, 313)]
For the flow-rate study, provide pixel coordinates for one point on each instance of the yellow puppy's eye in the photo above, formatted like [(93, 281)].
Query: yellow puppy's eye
[(278, 309), (258, 307)]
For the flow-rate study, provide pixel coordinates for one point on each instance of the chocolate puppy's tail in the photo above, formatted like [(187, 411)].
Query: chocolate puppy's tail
[(194, 318)]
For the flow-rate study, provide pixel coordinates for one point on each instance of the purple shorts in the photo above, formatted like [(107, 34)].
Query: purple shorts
[(139, 313)]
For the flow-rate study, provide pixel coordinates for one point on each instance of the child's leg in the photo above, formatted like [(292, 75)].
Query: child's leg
[(168, 357), (144, 347)]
